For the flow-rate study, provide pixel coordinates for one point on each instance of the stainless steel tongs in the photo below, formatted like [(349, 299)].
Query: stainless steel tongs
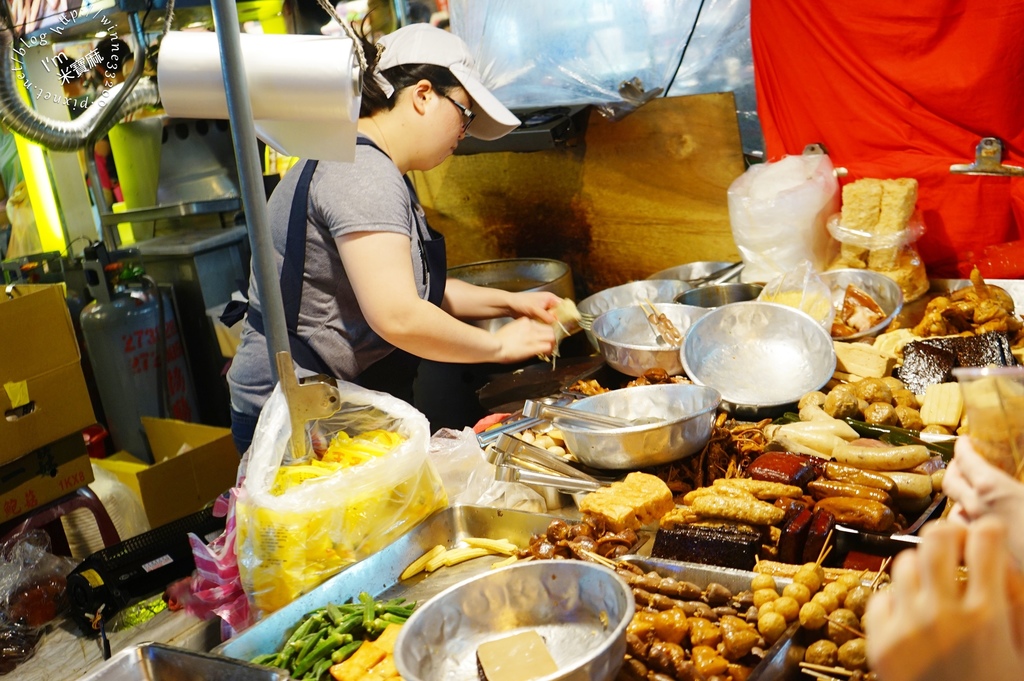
[(518, 461), (550, 412)]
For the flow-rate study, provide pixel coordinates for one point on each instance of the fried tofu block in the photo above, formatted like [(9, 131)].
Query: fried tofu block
[(862, 204), (899, 197), (386, 641), (638, 500), (357, 667)]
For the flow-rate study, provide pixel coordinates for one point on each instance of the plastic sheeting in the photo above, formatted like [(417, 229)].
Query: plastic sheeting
[(581, 51)]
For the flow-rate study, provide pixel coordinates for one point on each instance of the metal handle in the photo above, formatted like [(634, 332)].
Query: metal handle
[(988, 160), (509, 473), (517, 450), (491, 434), (551, 412)]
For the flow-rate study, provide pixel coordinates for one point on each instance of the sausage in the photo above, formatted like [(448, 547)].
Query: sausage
[(777, 569), (821, 526), (782, 467), (842, 473), (911, 485), (791, 507), (822, 489), (760, 488), (860, 514), (731, 491), (881, 458), (739, 509), (794, 534)]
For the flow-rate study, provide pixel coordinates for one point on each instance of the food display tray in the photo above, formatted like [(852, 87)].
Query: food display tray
[(379, 574)]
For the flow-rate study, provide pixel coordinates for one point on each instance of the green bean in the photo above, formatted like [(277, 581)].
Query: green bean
[(309, 643), (319, 669), (322, 649), (344, 652), (369, 609), (302, 630), (349, 623), (401, 612), (267, 660), (334, 613)]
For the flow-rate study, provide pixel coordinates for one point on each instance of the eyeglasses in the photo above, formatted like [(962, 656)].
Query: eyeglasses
[(467, 115)]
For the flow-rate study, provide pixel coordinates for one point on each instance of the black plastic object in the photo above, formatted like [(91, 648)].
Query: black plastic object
[(136, 568)]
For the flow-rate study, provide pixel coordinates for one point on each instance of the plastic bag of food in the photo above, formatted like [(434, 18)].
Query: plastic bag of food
[(778, 211), (469, 478), (877, 229), (300, 522), (33, 591), (803, 289)]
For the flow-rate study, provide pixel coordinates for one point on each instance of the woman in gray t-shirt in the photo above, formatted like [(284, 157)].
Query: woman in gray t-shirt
[(363, 277)]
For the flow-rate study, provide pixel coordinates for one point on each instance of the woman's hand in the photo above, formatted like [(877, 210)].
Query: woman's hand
[(980, 489), (927, 626), (534, 304), (523, 339)]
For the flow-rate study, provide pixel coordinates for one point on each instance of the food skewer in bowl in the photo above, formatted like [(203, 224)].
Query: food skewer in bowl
[(662, 325)]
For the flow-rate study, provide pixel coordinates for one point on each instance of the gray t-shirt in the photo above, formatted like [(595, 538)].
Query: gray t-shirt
[(368, 195)]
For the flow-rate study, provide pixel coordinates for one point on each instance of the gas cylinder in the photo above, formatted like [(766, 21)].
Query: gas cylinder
[(123, 339)]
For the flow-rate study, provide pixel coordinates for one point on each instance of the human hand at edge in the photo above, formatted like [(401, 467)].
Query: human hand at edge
[(524, 338), (980, 489), (926, 626)]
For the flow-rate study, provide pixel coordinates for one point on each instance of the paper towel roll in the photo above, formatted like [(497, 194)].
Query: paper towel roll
[(304, 89)]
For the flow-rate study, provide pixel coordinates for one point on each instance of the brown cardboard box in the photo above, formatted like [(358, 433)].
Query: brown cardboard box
[(43, 475), (44, 396), (178, 484)]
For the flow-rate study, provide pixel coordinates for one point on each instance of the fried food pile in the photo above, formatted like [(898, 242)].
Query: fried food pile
[(972, 311)]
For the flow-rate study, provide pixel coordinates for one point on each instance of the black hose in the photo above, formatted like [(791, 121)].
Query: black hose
[(161, 349)]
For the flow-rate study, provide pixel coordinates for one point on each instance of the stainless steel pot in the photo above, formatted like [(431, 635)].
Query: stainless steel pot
[(516, 274)]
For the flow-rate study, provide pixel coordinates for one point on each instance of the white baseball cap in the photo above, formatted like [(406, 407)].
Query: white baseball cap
[(426, 44)]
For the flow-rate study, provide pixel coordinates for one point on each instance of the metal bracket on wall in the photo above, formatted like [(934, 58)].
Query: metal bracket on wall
[(818, 148), (988, 160)]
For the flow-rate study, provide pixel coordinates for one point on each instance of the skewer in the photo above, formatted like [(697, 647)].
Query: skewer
[(661, 323), (599, 559), (825, 548), (881, 571), (847, 628), (842, 671), (819, 675)]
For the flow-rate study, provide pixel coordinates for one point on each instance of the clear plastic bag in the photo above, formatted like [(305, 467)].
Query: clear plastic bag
[(778, 212), (893, 254), (33, 591), (803, 289), (469, 478), (291, 539)]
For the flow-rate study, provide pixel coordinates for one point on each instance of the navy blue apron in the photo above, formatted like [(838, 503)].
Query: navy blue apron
[(393, 373)]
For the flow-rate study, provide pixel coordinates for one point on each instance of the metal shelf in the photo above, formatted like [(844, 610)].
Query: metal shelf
[(178, 210)]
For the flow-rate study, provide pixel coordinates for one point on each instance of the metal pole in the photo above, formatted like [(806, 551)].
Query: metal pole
[(243, 135)]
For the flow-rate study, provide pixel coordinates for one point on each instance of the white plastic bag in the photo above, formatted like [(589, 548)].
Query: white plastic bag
[(778, 213), (803, 289), (469, 478), (291, 541)]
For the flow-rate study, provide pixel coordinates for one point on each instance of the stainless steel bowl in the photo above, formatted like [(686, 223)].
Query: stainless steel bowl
[(515, 275), (625, 295), (629, 343), (691, 270), (882, 289), (684, 417), (719, 294), (761, 356), (580, 609)]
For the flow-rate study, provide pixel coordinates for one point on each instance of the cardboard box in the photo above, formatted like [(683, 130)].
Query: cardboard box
[(179, 482), (44, 396), (41, 476)]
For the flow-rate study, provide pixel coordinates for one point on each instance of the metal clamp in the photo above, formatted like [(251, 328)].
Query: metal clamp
[(550, 412), (988, 160)]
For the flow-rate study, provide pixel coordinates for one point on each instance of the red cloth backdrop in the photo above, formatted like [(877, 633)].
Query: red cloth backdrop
[(897, 88)]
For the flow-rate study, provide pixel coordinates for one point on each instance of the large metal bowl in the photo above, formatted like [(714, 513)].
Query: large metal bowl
[(580, 609), (626, 295), (691, 270), (515, 275), (684, 416), (882, 289), (629, 343), (762, 357), (716, 295)]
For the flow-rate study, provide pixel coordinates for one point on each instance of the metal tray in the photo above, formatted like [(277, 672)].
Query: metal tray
[(155, 661), (779, 661), (378, 575)]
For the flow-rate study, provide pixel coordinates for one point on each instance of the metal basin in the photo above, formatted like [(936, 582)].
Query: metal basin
[(719, 294), (515, 275), (684, 416), (626, 295), (629, 343), (154, 661), (762, 357), (882, 289), (580, 610), (691, 270)]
